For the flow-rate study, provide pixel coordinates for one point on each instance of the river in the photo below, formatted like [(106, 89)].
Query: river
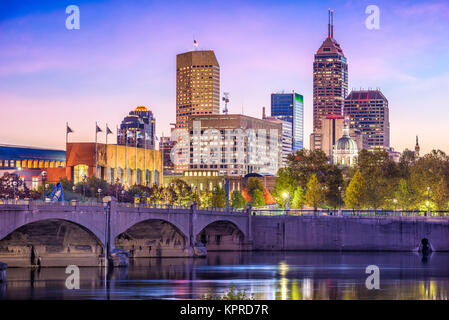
[(263, 275)]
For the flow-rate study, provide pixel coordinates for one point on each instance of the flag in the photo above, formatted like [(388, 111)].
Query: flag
[(195, 43), (108, 131), (69, 130), (130, 134), (98, 129)]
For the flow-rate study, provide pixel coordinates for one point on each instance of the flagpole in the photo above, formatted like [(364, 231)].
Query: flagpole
[(116, 156), (162, 159), (145, 159), (66, 134), (106, 165), (126, 155), (136, 159), (154, 163), (96, 156)]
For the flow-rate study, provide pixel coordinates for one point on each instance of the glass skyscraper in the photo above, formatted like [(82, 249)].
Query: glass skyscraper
[(290, 107)]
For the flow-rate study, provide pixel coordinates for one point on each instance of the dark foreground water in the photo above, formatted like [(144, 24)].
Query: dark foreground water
[(265, 275)]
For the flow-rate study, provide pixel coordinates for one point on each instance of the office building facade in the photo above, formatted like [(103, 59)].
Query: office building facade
[(139, 126), (330, 81), (290, 107), (197, 85), (368, 112), (234, 145)]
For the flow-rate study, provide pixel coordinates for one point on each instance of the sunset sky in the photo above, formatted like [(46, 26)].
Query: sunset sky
[(124, 55)]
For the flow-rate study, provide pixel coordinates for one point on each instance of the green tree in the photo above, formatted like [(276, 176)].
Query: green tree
[(254, 184), (258, 199), (441, 195), (355, 192), (405, 195), (184, 193), (219, 197), (237, 200), (314, 193), (298, 198), (285, 182)]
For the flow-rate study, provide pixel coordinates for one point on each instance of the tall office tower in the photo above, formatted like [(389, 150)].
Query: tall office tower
[(197, 85), (368, 111), (330, 82), (290, 107), (139, 124)]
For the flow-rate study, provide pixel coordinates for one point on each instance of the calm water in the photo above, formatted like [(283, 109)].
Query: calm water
[(266, 275)]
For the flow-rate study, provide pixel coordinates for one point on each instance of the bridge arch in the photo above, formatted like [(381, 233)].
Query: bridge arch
[(50, 242), (153, 237), (221, 235)]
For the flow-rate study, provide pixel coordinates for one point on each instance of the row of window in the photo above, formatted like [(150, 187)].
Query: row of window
[(30, 164)]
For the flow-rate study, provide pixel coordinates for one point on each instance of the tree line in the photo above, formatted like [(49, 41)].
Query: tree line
[(374, 182)]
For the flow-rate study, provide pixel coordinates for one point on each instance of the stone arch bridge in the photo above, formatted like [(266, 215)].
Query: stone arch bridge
[(52, 233)]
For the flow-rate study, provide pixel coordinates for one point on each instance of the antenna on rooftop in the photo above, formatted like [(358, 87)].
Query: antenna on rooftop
[(226, 101)]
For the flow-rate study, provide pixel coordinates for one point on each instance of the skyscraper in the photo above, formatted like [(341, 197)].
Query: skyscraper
[(290, 107), (330, 82), (368, 111), (197, 85), (139, 124)]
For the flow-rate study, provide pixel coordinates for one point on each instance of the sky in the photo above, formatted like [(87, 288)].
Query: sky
[(124, 55)]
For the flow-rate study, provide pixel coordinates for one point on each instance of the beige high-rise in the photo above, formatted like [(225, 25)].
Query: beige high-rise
[(197, 85)]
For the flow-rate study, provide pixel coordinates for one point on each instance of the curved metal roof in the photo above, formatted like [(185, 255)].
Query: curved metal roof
[(26, 153)]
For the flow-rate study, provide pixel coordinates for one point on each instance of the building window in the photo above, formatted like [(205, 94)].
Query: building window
[(34, 183), (79, 171)]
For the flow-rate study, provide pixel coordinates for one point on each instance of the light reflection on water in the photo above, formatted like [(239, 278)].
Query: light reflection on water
[(265, 275)]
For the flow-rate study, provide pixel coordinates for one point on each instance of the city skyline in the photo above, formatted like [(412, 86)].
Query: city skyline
[(113, 63)]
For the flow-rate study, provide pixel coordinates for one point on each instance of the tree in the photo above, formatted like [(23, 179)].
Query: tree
[(298, 198), (355, 192), (258, 199), (184, 193), (285, 182), (441, 195), (219, 197), (405, 195), (382, 174), (314, 193), (237, 200), (254, 184)]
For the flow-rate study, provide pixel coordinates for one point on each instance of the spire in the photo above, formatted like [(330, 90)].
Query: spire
[(329, 23), (332, 24), (417, 148)]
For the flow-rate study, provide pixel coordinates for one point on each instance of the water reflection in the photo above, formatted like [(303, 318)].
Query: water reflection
[(265, 275)]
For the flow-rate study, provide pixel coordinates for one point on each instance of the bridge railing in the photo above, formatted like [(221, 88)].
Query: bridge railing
[(347, 212)]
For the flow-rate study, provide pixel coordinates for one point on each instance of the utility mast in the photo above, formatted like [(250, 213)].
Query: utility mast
[(226, 100)]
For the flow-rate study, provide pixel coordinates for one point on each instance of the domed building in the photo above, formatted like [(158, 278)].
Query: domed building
[(345, 149)]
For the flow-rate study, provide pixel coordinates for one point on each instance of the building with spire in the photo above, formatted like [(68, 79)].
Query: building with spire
[(330, 82), (417, 148)]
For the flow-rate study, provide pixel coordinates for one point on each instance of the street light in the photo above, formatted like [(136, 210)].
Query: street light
[(14, 183), (44, 178), (123, 194), (84, 185), (99, 193), (286, 197), (395, 201), (339, 198), (428, 199)]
